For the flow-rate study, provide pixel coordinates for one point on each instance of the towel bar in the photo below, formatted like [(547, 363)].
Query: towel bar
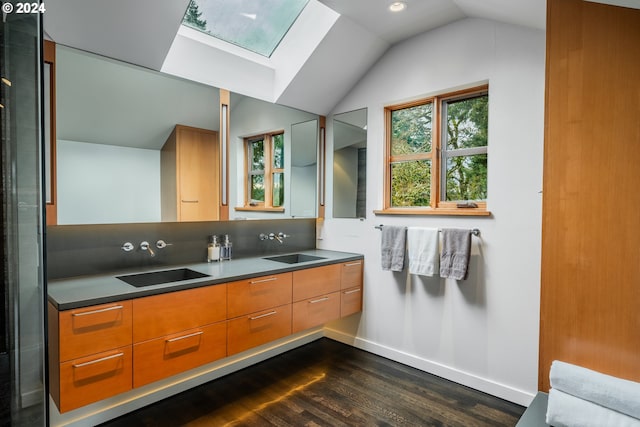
[(474, 231)]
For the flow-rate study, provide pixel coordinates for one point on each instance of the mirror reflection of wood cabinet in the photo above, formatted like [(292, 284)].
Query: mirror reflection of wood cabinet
[(190, 178), (49, 78)]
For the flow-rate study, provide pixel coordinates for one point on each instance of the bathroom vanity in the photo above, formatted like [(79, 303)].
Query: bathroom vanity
[(107, 336)]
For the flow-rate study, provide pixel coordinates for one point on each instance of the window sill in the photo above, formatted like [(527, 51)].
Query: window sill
[(437, 211), (258, 209)]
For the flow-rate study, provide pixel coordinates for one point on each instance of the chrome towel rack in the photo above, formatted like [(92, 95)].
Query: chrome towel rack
[(474, 231)]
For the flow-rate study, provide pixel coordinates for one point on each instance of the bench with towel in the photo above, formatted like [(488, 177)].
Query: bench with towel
[(582, 397)]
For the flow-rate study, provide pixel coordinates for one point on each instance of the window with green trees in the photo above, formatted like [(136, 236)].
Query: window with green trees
[(437, 154), (265, 171)]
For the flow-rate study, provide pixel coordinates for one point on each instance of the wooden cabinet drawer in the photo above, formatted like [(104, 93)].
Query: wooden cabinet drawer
[(94, 329), (316, 281), (350, 301), (260, 293), (351, 274), (90, 379), (160, 315), (170, 355), (258, 328), (315, 311)]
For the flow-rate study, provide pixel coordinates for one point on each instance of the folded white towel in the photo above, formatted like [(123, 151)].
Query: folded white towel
[(565, 410), (423, 251), (614, 393)]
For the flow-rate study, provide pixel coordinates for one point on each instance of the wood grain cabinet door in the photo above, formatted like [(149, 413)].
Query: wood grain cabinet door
[(94, 329), (189, 175), (316, 281), (198, 174), (90, 379), (315, 311), (350, 301), (259, 293), (258, 328), (174, 312), (162, 357), (352, 274)]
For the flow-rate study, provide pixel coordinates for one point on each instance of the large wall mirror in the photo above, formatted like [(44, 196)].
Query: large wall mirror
[(304, 168), (112, 121), (350, 164)]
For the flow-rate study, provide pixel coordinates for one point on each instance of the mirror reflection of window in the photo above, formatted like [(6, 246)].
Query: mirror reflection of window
[(350, 164), (265, 170)]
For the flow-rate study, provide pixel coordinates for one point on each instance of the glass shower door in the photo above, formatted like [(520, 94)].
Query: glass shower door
[(23, 390)]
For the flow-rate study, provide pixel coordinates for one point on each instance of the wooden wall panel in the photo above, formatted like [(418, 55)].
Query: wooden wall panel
[(590, 301)]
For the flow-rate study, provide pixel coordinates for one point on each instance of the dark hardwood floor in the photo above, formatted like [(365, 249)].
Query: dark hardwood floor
[(326, 383)]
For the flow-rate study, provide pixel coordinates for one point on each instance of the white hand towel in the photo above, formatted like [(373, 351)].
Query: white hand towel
[(423, 250), (565, 410), (611, 392)]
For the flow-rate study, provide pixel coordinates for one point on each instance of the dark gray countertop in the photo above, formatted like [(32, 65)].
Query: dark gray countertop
[(83, 291)]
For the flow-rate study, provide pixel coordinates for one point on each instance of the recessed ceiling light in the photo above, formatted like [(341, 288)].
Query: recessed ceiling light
[(397, 6)]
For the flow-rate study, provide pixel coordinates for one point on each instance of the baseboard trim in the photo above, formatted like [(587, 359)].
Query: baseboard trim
[(124, 403), (32, 397), (494, 388)]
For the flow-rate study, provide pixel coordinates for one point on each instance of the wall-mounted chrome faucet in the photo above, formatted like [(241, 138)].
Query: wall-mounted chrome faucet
[(146, 247), (273, 236)]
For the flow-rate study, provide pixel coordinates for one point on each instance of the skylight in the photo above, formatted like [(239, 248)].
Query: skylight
[(256, 25)]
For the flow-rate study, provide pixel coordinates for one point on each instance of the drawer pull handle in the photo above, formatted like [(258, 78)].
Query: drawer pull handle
[(195, 334), (270, 279), (271, 313), (352, 264), (318, 300), (353, 291), (102, 310), (102, 359), (189, 201)]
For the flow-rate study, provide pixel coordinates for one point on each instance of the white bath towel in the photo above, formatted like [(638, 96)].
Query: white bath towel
[(423, 251), (565, 410), (614, 393)]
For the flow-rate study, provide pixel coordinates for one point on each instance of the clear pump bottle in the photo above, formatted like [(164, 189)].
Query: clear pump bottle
[(226, 249)]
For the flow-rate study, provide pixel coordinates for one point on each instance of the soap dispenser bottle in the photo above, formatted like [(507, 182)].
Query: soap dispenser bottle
[(213, 249), (226, 250)]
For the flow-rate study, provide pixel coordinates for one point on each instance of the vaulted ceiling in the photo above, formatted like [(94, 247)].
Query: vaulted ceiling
[(325, 53)]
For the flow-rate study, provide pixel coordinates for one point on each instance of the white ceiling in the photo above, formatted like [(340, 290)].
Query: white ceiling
[(135, 31), (142, 32), (103, 101)]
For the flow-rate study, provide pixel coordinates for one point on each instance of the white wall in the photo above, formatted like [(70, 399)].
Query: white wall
[(482, 332), (101, 184)]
